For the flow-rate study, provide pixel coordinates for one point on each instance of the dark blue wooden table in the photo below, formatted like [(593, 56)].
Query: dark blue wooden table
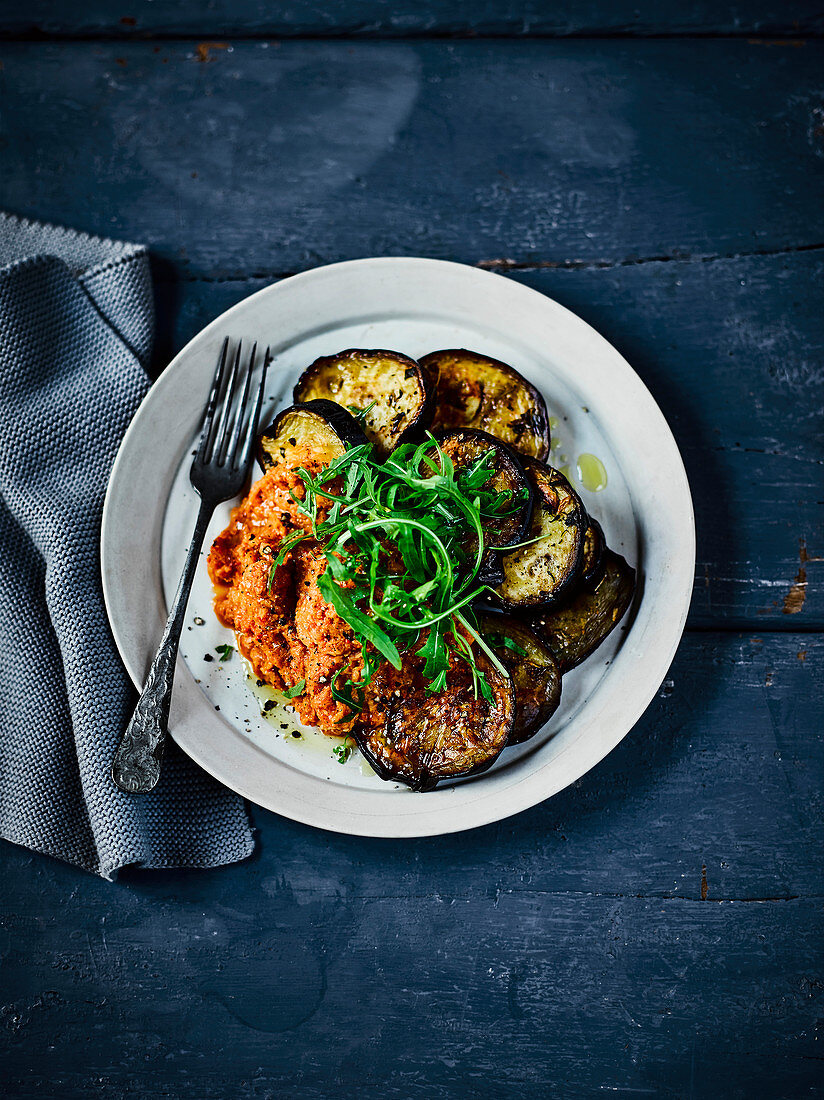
[(656, 930)]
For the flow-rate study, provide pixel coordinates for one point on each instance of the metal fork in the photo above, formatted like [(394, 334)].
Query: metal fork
[(219, 471)]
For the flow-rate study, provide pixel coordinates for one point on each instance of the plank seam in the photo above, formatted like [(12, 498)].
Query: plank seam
[(506, 264), (761, 36), (584, 894), (742, 626), (636, 261)]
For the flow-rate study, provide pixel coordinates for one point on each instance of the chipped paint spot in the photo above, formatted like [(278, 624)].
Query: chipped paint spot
[(203, 49), (797, 42), (802, 655), (768, 679), (794, 600), (704, 887)]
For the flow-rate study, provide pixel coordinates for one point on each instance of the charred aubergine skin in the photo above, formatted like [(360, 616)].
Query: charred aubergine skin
[(392, 390), (476, 391), (593, 553), (319, 426), (419, 739), (577, 629), (535, 673), (546, 570)]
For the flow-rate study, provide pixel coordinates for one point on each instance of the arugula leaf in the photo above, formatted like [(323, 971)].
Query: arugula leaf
[(363, 626), (361, 414), (507, 643), (344, 751), (353, 699), (296, 690)]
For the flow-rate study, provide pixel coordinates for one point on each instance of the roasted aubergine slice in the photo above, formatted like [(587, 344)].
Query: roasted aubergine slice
[(320, 427), (387, 391), (535, 674), (420, 739), (575, 630), (545, 570), (472, 452), (593, 554), (474, 391)]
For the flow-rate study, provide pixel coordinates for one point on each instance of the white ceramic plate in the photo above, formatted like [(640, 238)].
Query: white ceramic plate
[(414, 306)]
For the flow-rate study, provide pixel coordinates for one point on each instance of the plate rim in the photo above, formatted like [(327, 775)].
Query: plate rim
[(436, 817)]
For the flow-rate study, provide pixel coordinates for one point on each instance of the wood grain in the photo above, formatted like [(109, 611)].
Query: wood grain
[(425, 998), (402, 17), (267, 159), (656, 929), (661, 918)]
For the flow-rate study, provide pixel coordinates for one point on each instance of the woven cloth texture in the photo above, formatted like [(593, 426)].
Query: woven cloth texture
[(76, 327)]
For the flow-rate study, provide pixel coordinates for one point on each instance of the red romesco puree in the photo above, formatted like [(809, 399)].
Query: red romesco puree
[(288, 633)]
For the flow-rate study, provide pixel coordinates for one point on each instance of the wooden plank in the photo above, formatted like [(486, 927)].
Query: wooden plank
[(273, 995), (732, 351), (272, 158), (430, 17), (659, 920)]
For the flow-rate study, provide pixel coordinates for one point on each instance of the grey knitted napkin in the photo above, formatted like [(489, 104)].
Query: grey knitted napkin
[(76, 325)]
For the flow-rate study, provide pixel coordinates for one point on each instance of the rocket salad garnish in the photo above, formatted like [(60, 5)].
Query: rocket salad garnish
[(404, 541)]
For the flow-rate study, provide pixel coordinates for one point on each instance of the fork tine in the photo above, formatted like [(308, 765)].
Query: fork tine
[(252, 427), (208, 416), (219, 443), (241, 407)]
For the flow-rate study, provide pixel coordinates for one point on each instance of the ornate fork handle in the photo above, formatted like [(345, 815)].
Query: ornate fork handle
[(136, 765)]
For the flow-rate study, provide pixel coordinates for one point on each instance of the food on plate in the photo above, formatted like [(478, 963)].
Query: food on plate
[(388, 392), (322, 427), (535, 674), (508, 480), (418, 737), (572, 632), (361, 573), (548, 565), (475, 391), (593, 553)]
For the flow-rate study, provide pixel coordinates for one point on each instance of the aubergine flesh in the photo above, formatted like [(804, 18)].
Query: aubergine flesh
[(388, 390), (321, 427), (476, 391), (533, 669), (547, 568), (577, 629), (419, 739)]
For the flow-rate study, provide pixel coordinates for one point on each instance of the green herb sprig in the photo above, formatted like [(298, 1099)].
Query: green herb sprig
[(296, 690), (345, 750), (404, 544)]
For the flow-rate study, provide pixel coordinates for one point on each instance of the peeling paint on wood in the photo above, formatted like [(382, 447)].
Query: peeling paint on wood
[(794, 600), (204, 49)]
